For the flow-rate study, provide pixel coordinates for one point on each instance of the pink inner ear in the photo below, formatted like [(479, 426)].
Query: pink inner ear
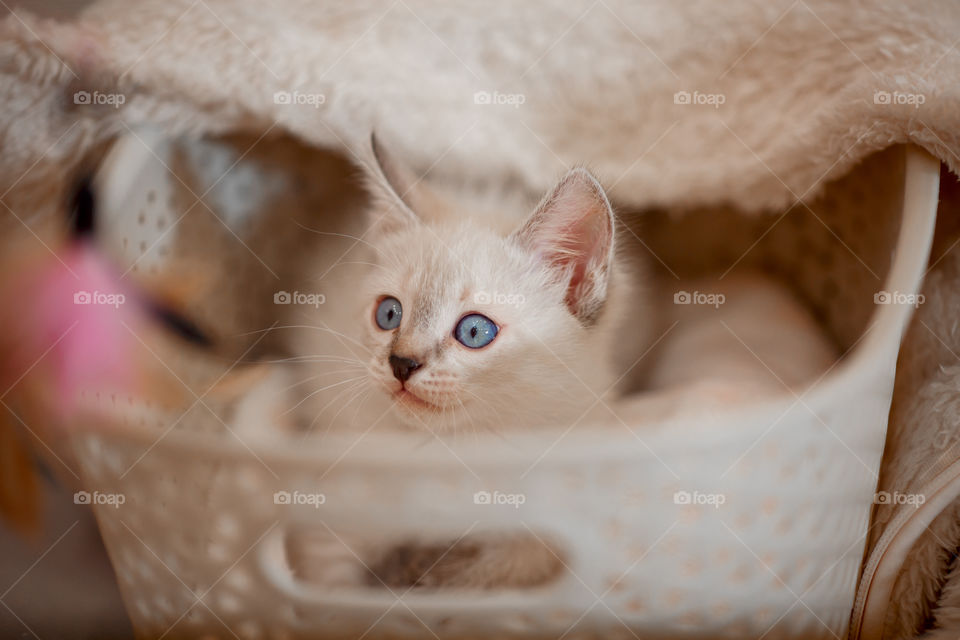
[(579, 244), (572, 232)]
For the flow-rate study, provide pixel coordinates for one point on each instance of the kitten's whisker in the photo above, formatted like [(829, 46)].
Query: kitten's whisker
[(356, 385), (345, 262), (362, 394), (487, 403), (316, 358), (297, 384), (473, 425), (318, 375), (320, 390), (347, 403), (338, 235), (305, 326)]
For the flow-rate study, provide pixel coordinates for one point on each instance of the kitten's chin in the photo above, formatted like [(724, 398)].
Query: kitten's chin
[(417, 413), (414, 402)]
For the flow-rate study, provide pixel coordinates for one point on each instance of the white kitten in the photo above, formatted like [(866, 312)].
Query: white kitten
[(461, 325), (468, 320)]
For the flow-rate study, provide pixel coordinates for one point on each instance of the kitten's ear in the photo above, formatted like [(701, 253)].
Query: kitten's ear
[(390, 184), (571, 232), (407, 198)]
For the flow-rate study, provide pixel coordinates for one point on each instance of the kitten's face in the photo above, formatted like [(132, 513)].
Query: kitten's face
[(464, 330), (467, 328)]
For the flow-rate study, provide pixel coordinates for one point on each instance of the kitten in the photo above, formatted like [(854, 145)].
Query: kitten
[(477, 320), (461, 323)]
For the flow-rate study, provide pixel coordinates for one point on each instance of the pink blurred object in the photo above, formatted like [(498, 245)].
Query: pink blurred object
[(78, 318)]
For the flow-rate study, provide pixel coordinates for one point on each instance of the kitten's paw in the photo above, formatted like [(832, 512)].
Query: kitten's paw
[(319, 559)]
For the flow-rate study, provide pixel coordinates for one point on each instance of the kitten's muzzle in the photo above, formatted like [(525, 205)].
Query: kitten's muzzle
[(403, 367)]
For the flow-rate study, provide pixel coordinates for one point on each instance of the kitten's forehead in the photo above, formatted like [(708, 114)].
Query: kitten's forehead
[(438, 284), (438, 271)]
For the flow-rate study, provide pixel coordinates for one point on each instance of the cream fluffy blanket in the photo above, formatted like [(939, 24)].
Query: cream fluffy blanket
[(673, 104)]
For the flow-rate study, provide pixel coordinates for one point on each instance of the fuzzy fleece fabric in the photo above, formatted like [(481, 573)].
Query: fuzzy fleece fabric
[(923, 442), (756, 104)]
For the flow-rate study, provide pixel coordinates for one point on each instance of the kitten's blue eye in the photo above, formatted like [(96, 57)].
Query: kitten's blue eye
[(475, 331), (388, 314)]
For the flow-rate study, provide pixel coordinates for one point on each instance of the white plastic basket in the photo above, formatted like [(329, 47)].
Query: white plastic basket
[(198, 543)]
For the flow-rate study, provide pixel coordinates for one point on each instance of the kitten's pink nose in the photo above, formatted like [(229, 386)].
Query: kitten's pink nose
[(403, 368)]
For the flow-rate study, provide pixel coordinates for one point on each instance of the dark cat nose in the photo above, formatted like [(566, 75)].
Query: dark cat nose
[(403, 368)]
